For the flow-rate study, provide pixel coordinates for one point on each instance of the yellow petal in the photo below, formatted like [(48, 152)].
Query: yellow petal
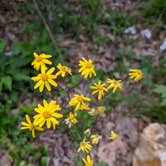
[(38, 84), (52, 82), (48, 123), (33, 133), (51, 70), (23, 128), (48, 86), (41, 87), (47, 62), (28, 119)]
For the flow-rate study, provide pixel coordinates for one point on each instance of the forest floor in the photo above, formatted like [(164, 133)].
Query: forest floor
[(123, 117)]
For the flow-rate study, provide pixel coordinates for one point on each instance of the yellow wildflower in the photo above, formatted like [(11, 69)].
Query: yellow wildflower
[(45, 78), (71, 119), (88, 161), (40, 61), (84, 107), (63, 70), (85, 146), (135, 74), (99, 88), (78, 101), (95, 138), (47, 114), (114, 84), (87, 69), (99, 110), (113, 136), (30, 126)]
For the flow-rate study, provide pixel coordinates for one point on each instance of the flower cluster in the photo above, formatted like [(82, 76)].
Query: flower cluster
[(86, 146), (49, 113)]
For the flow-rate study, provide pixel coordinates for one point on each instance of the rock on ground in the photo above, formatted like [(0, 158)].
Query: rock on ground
[(152, 148)]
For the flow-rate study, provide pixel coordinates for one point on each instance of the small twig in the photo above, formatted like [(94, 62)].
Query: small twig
[(46, 25), (44, 21)]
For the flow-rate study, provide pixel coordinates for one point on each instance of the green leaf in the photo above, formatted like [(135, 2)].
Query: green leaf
[(43, 161), (2, 45), (75, 80), (7, 82), (102, 164), (17, 47), (20, 61), (160, 89), (163, 102), (21, 77), (0, 86)]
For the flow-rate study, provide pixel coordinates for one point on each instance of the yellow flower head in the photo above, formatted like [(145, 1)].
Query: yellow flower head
[(84, 107), (114, 84), (78, 101), (45, 78), (71, 119), (47, 114), (85, 146), (113, 136), (95, 138), (88, 161), (63, 70), (40, 61), (30, 126), (87, 69), (99, 88), (99, 110), (135, 74)]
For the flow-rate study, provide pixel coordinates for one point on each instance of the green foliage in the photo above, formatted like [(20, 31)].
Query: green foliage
[(154, 9), (159, 72), (21, 152), (75, 80), (19, 144), (101, 164), (156, 113), (161, 90), (125, 53), (14, 82), (13, 67), (64, 17), (76, 133), (117, 21)]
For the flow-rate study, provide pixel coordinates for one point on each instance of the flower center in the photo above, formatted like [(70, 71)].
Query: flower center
[(139, 73), (72, 118), (114, 82), (31, 127), (63, 69), (46, 114), (38, 58), (44, 77), (89, 65), (100, 88), (83, 144), (80, 98)]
